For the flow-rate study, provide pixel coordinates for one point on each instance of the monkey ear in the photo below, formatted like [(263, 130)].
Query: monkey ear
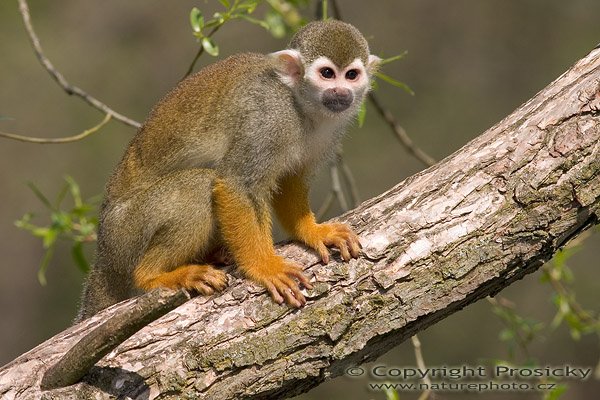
[(289, 66), (373, 64)]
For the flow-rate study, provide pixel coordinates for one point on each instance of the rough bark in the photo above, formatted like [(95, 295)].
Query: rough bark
[(464, 229)]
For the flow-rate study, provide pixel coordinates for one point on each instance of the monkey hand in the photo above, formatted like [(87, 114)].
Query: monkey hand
[(276, 275), (340, 236)]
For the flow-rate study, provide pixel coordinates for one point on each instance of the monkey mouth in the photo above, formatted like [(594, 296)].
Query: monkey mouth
[(338, 103)]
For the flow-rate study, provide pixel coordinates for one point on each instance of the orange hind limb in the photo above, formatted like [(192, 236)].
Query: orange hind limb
[(204, 279)]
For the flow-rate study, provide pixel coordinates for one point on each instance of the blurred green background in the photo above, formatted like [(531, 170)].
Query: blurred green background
[(469, 62)]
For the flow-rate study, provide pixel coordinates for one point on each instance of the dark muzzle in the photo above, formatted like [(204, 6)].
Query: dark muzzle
[(337, 99)]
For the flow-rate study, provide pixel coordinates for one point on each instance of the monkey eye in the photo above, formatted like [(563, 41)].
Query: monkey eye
[(327, 73), (352, 74)]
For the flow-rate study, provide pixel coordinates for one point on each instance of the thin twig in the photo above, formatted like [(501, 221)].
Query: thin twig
[(562, 291), (521, 341), (193, 64), (389, 117), (350, 182), (597, 369), (59, 78), (401, 133), (319, 10), (199, 53), (421, 365), (336, 191), (337, 14), (336, 187), (68, 139), (325, 206)]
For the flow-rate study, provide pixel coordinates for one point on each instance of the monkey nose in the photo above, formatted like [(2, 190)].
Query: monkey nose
[(337, 99)]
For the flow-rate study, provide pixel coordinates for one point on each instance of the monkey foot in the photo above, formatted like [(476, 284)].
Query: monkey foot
[(204, 279)]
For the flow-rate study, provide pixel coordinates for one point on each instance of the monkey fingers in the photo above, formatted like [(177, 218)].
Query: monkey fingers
[(339, 236), (281, 286), (204, 279)]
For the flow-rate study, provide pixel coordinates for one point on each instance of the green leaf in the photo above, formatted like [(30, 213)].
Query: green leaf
[(41, 275), (561, 257), (61, 221), (61, 196), (248, 6), (25, 222), (219, 18), (82, 211), (563, 304), (276, 24), (362, 115), (392, 59), (225, 3), (75, 191), (49, 238), (506, 335), (255, 21), (395, 82), (500, 362), (575, 334), (391, 394), (557, 320), (39, 231), (556, 392), (374, 85), (40, 195), (196, 20), (79, 257), (576, 326), (210, 47), (567, 274)]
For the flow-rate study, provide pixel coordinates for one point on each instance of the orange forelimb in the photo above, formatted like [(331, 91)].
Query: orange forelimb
[(246, 231), (293, 210)]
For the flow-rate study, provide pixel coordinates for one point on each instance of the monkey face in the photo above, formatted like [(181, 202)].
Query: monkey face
[(324, 87), (337, 89)]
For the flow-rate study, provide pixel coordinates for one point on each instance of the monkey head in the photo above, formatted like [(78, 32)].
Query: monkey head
[(328, 67)]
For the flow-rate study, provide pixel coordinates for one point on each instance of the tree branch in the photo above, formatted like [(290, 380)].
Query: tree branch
[(400, 132), (387, 115), (68, 139), (59, 78), (469, 226), (421, 365), (103, 339)]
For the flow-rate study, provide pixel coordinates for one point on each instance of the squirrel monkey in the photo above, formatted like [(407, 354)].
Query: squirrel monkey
[(226, 145)]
